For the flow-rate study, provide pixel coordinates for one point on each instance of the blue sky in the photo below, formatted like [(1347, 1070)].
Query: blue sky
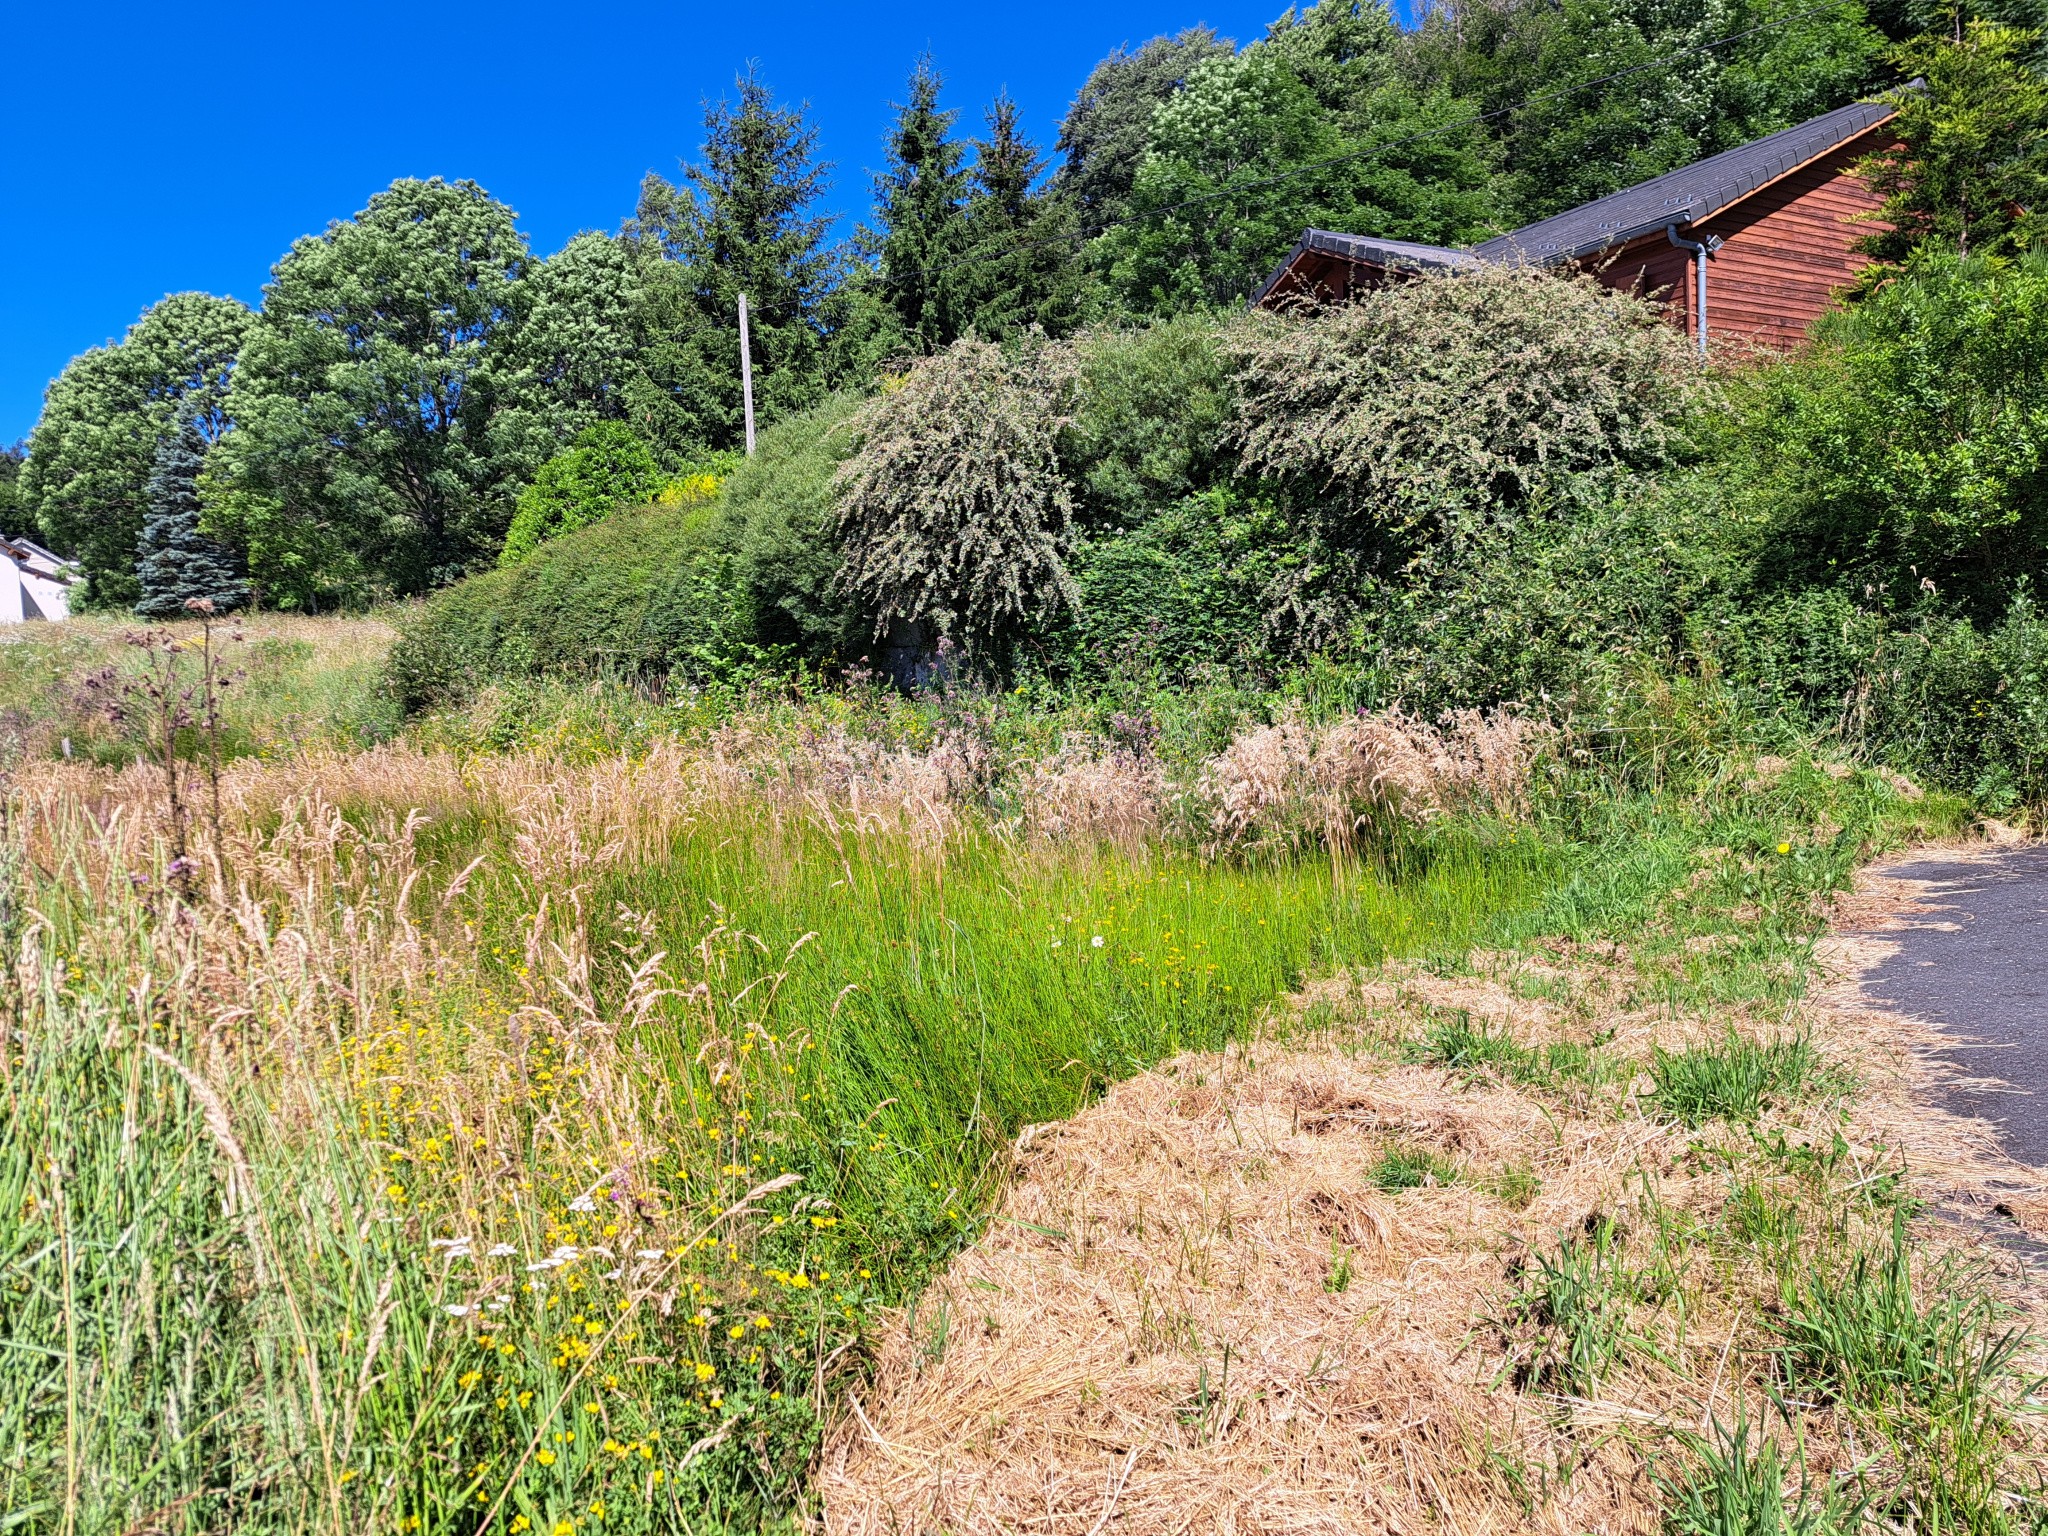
[(151, 149)]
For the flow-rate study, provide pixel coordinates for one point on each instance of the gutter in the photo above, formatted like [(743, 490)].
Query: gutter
[(1701, 250)]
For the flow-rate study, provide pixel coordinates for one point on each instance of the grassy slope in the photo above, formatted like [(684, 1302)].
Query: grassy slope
[(878, 1010)]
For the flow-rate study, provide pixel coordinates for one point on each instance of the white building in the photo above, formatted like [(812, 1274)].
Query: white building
[(33, 582)]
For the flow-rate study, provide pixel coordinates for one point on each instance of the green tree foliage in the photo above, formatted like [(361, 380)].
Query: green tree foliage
[(1021, 265), (922, 237), (13, 517), (86, 480), (1105, 134), (954, 513), (606, 468), (1909, 445), (1970, 172), (1414, 427), (1314, 125), (740, 221), (779, 522), (175, 563), (1596, 95), (362, 454), (577, 355)]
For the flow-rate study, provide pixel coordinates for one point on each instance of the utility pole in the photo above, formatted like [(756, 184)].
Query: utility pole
[(747, 374)]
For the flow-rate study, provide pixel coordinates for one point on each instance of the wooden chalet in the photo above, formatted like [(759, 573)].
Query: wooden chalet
[(1752, 243)]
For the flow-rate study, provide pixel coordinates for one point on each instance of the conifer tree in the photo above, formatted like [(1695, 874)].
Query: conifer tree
[(741, 220), (175, 562), (1021, 266), (1969, 173), (922, 203)]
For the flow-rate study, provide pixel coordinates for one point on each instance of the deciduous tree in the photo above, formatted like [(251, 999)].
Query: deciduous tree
[(1106, 131), (1312, 125), (363, 403), (86, 480)]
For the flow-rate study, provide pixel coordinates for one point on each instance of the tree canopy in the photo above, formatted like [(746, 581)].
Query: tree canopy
[(415, 370), (362, 401), (90, 458)]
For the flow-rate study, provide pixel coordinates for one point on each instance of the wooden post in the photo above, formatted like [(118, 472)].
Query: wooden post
[(747, 374)]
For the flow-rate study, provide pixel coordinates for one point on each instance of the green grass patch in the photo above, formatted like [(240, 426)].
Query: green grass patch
[(1735, 1079), (1930, 1371), (1408, 1167), (949, 999)]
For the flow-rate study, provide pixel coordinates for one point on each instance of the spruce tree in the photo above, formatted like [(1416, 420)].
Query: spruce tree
[(1969, 171), (742, 220), (1022, 264), (922, 203), (176, 563)]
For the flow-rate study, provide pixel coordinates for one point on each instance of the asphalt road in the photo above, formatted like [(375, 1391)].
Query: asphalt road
[(1977, 967)]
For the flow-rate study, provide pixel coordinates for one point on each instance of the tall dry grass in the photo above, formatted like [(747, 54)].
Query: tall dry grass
[(441, 1143)]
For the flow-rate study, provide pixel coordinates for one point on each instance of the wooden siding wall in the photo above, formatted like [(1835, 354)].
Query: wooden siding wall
[(1788, 249)]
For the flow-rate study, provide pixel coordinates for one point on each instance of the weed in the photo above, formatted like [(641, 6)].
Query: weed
[(1338, 1280), (1515, 1186), (1732, 1487), (1408, 1167), (1461, 1045), (1932, 1378), (1577, 1302), (1733, 1080), (1762, 1221)]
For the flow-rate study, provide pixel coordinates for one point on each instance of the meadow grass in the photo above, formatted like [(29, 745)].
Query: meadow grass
[(547, 1165)]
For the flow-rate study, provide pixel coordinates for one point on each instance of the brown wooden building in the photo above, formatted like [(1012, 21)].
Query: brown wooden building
[(1752, 243)]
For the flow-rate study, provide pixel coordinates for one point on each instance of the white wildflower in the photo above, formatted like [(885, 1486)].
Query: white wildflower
[(583, 1203), (457, 1310), (502, 1250)]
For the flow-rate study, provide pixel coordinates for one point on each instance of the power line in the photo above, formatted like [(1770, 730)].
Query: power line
[(1089, 232)]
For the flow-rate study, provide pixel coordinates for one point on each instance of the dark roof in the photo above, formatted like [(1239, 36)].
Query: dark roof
[(1685, 196)]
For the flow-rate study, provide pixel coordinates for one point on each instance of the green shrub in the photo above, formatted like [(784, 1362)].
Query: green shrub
[(1152, 424), (953, 510), (1907, 447), (1415, 426), (606, 468), (780, 526), (1182, 589), (647, 591)]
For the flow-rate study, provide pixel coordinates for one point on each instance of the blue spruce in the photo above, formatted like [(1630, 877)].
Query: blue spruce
[(174, 561)]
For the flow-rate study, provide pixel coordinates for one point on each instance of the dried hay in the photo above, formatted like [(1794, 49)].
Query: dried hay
[(1151, 1337)]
